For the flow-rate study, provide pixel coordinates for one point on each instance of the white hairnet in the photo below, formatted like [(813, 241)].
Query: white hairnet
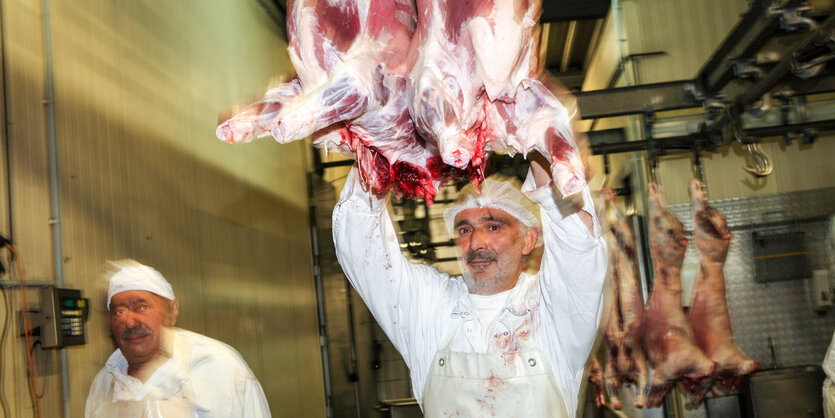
[(132, 275), (498, 194)]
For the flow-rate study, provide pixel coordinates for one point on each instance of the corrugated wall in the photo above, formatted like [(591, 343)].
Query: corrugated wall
[(138, 89)]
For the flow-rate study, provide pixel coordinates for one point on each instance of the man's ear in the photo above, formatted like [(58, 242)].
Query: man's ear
[(530, 241), (175, 310)]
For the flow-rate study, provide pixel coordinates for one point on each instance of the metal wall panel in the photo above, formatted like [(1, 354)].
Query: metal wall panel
[(686, 32), (796, 167), (138, 89), (28, 202)]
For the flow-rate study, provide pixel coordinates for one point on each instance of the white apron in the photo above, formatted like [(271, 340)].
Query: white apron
[(514, 384), (172, 408), (179, 406)]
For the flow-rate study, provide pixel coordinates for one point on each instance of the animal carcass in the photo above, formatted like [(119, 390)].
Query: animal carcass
[(350, 94), (708, 316), (473, 88), (623, 312), (668, 339)]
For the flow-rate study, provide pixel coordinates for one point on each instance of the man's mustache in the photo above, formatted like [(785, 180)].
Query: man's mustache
[(481, 255), (139, 331)]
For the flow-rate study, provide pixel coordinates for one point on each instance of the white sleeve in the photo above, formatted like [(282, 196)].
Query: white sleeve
[(572, 271), (254, 402), (401, 295)]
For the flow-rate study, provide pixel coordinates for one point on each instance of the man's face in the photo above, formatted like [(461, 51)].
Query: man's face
[(491, 248), (137, 320)]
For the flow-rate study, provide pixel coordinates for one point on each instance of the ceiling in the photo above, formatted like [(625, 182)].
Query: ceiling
[(570, 30)]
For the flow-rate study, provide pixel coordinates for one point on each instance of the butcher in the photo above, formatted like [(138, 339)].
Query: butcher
[(496, 341), (162, 371)]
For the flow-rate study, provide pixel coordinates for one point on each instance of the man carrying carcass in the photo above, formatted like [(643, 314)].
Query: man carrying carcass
[(497, 341)]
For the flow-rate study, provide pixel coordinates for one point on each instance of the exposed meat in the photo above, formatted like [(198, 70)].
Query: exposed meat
[(668, 339), (708, 315), (536, 120), (416, 110), (459, 47), (626, 362), (350, 94), (596, 378), (473, 89)]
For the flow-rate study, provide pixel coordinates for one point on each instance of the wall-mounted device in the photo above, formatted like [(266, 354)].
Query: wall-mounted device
[(60, 320), (823, 290)]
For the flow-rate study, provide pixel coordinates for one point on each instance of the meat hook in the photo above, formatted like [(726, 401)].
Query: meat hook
[(762, 165)]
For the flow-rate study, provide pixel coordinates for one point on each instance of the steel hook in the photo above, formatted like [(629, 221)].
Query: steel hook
[(762, 165)]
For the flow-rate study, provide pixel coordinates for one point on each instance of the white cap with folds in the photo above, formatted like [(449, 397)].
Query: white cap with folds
[(498, 194), (132, 275)]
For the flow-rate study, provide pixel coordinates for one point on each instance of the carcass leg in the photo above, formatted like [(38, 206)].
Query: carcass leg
[(253, 121), (640, 360), (596, 378), (342, 99), (543, 124), (612, 378)]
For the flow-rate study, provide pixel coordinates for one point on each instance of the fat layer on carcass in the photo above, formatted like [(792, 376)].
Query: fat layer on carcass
[(623, 311), (668, 339), (708, 316), (351, 60)]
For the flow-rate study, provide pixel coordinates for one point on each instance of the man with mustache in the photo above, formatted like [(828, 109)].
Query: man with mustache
[(496, 341), (162, 371)]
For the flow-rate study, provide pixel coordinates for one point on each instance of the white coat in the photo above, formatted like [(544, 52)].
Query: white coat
[(203, 378), (414, 304)]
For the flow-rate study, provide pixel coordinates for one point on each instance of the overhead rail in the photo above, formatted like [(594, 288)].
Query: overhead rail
[(779, 53)]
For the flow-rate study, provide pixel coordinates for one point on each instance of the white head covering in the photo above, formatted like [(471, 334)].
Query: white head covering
[(498, 194), (132, 275)]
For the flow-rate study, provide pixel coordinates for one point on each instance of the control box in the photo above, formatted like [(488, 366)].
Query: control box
[(60, 321), (823, 290)]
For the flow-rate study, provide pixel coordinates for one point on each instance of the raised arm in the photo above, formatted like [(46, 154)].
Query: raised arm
[(401, 295), (573, 264)]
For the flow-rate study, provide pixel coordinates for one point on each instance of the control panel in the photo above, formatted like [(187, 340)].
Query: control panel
[(60, 321)]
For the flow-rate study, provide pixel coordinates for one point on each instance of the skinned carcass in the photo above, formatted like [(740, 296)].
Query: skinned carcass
[(708, 316), (465, 80), (668, 339), (473, 88), (351, 60), (623, 312), (458, 47)]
